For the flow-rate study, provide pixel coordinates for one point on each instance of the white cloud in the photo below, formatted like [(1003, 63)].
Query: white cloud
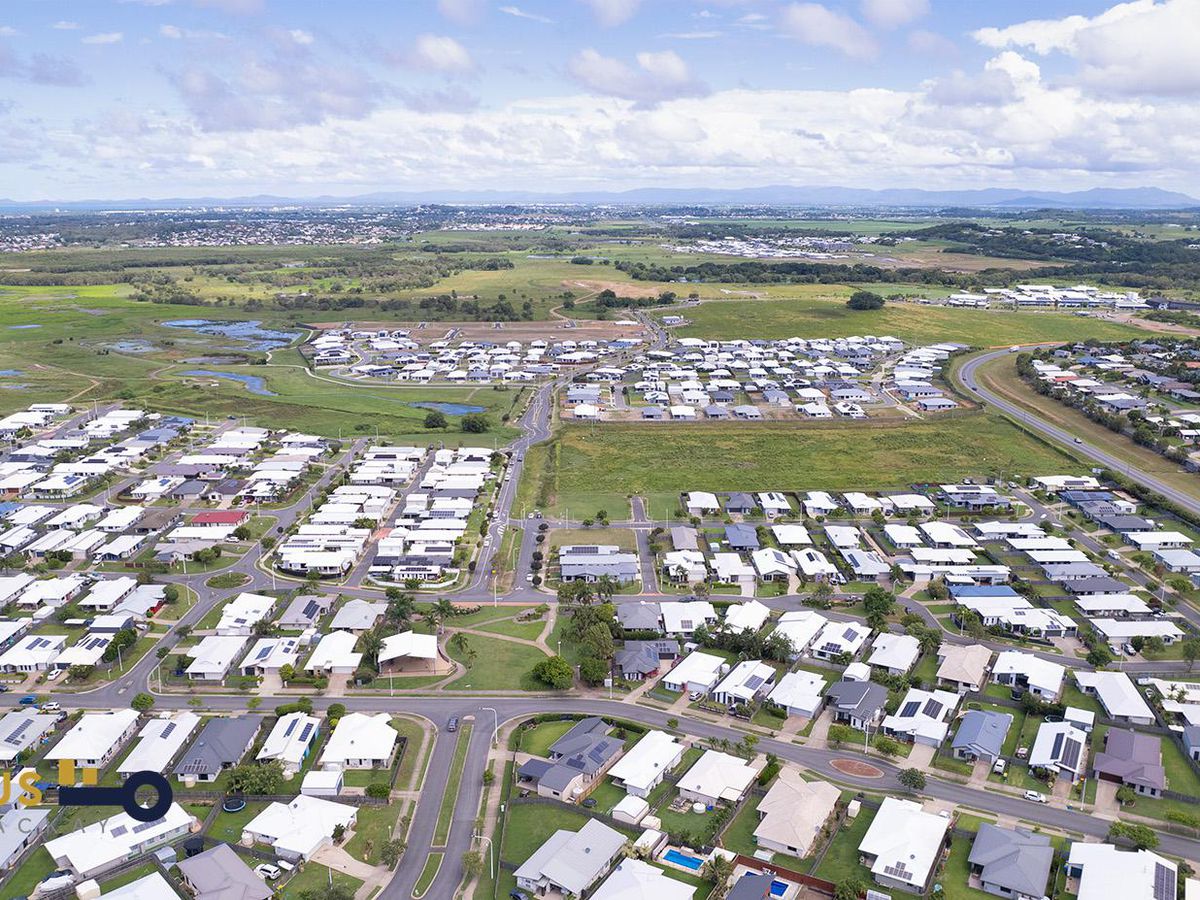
[(820, 26), (8, 31), (893, 13), (518, 13), (659, 76), (174, 32), (613, 12), (438, 53), (692, 35), (64, 25), (301, 37), (464, 12), (1139, 47), (106, 37)]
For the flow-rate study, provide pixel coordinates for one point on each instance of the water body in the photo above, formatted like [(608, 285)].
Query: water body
[(216, 360), (451, 409), (10, 373), (22, 327), (253, 383), (133, 347), (250, 333)]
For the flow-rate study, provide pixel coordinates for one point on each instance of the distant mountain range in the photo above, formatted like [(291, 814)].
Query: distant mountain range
[(775, 195)]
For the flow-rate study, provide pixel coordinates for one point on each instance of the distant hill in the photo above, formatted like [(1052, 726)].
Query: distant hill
[(774, 195)]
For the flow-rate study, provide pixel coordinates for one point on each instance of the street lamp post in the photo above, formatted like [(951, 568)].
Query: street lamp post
[(496, 729), (491, 853)]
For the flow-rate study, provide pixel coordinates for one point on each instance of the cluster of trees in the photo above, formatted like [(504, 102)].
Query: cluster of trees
[(121, 641), (608, 299), (471, 423), (865, 300), (592, 628), (775, 647)]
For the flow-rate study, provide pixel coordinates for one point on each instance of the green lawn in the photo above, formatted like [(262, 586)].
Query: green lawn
[(841, 860), (954, 877), (372, 830), (821, 317), (27, 877), (529, 825), (498, 666), (528, 631), (228, 827), (1181, 777), (413, 750), (537, 740), (607, 795), (454, 782), (433, 864), (617, 460), (313, 877)]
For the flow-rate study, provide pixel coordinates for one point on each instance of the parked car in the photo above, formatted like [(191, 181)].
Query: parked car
[(53, 674), (452, 725), (694, 696), (1128, 648), (267, 871), (1036, 797), (52, 706), (999, 766)]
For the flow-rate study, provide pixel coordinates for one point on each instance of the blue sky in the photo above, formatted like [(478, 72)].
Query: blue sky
[(159, 98)]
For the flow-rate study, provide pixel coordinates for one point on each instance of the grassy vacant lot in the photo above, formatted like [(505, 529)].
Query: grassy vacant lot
[(499, 665), (531, 824), (816, 316), (313, 877), (585, 467), (537, 740)]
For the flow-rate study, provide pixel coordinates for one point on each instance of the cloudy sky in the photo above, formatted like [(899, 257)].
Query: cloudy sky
[(171, 98)]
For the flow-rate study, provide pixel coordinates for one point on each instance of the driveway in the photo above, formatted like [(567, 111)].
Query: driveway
[(921, 756)]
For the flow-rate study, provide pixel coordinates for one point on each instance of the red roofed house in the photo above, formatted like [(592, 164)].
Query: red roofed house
[(221, 517)]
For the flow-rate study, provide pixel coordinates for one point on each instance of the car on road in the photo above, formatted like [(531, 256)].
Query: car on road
[(1036, 797), (28, 700), (1079, 440), (452, 725), (267, 871)]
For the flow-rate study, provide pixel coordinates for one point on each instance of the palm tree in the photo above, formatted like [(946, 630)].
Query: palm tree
[(370, 643), (718, 869), (462, 646), (605, 588), (445, 610)]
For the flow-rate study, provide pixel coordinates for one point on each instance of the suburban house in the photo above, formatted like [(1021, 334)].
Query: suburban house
[(745, 683), (571, 862), (1134, 759), (213, 657), (922, 717), (642, 768), (220, 874), (1011, 862), (632, 878), (963, 668), (981, 734), (290, 740), (903, 845), (221, 744), (243, 612), (159, 742), (857, 703), (1059, 748), (360, 741), (838, 638), (577, 759), (298, 829), (793, 813), (1117, 694), (894, 653), (95, 739), (800, 693), (717, 778), (638, 660), (1140, 873), (408, 652), (698, 671), (22, 729), (682, 619), (335, 655), (1024, 671), (102, 845)]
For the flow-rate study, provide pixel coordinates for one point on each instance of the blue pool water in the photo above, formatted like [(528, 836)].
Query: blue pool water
[(682, 859), (778, 888), (253, 383), (451, 409), (250, 332), (9, 373)]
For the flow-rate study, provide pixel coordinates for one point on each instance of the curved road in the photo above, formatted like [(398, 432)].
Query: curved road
[(967, 378)]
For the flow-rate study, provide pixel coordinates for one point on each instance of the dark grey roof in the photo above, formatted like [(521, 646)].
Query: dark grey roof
[(639, 616), (739, 501), (1016, 859), (750, 887), (220, 874), (742, 535), (861, 699), (643, 657), (1101, 584), (221, 742), (305, 609), (983, 732), (1133, 757), (1191, 735), (535, 768)]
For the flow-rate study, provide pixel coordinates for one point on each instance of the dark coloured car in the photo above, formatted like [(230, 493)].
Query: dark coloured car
[(452, 725)]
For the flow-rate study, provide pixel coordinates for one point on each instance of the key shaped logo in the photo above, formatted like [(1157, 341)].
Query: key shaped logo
[(90, 794)]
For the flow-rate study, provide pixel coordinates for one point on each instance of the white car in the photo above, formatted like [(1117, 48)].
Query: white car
[(999, 767), (1036, 797), (267, 871), (53, 674), (52, 706)]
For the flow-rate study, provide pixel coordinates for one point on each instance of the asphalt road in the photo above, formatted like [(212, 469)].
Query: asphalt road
[(967, 377)]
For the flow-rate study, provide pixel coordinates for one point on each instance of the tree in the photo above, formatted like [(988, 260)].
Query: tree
[(122, 640), (1141, 836), (390, 853), (913, 779), (339, 832), (598, 642), (1191, 651), (436, 419), (335, 711), (849, 889), (718, 869), (879, 604), (887, 746), (79, 672), (1153, 646), (287, 672), (841, 734), (142, 702), (865, 300), (1126, 795), (242, 533), (555, 672), (472, 864), (255, 778), (476, 423), (461, 646), (1099, 656), (171, 594), (369, 645), (593, 670)]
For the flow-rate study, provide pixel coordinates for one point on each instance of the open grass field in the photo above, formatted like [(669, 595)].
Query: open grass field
[(537, 740), (823, 313), (588, 468), (529, 825), (498, 665)]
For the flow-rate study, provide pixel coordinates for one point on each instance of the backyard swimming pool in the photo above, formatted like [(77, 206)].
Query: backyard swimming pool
[(682, 859)]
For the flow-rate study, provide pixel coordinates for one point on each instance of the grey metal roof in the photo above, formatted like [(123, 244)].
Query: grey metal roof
[(1015, 859), (983, 732), (220, 874), (861, 699), (221, 742), (1133, 757)]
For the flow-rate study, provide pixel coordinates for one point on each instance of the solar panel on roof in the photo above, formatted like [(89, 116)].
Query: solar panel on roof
[(1164, 882), (910, 709), (898, 871), (754, 682), (143, 826), (850, 634), (933, 708), (166, 732), (291, 727), (306, 731), (118, 831), (1071, 753), (15, 737), (1056, 749)]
